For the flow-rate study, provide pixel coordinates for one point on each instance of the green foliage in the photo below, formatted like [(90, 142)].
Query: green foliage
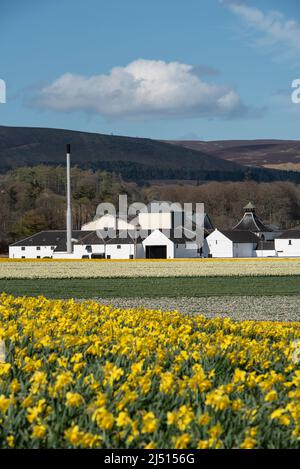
[(34, 199), (153, 287), (32, 222)]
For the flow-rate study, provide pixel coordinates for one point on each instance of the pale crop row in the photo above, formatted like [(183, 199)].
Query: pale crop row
[(142, 268)]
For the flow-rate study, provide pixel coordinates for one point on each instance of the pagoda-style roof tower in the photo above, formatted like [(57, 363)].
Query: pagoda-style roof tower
[(250, 221)]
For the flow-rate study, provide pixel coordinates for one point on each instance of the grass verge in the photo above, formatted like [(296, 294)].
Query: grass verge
[(153, 287)]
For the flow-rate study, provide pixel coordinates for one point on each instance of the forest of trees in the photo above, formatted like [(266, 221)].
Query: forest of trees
[(33, 199)]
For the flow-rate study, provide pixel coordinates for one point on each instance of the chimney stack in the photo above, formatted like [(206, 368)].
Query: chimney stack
[(69, 205)]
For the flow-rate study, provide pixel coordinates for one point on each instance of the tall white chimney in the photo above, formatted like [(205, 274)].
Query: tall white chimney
[(69, 205)]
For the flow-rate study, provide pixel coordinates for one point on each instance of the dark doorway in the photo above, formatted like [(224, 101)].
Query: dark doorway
[(156, 252)]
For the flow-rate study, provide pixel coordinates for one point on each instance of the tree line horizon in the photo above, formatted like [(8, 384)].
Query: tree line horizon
[(34, 199)]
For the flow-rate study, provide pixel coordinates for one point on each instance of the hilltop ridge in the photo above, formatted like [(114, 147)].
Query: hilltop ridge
[(135, 159)]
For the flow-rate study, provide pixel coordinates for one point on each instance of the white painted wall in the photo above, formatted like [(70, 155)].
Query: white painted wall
[(65, 255), (218, 245), (80, 250), (107, 221), (265, 253), (111, 250), (153, 221), (30, 252), (157, 238), (123, 252), (284, 249)]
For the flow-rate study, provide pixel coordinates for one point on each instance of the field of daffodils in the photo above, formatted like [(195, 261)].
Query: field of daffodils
[(82, 375)]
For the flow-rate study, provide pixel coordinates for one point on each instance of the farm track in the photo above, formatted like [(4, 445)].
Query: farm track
[(240, 308)]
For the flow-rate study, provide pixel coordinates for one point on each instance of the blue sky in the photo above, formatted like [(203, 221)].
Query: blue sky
[(171, 69)]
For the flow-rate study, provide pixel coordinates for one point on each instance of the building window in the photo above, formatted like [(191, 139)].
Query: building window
[(290, 242), (23, 248), (52, 247), (38, 248), (119, 246), (216, 241), (38, 257), (88, 248), (108, 256), (23, 257)]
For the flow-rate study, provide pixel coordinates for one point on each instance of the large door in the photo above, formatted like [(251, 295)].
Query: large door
[(156, 252)]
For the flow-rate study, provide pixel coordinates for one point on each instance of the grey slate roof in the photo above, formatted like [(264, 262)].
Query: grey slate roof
[(98, 237), (208, 224), (290, 234), (241, 236), (57, 238), (47, 238), (250, 222)]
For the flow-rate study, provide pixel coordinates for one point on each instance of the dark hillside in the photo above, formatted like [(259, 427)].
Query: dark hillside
[(135, 159)]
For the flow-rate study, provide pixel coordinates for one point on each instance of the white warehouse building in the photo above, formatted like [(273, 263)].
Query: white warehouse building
[(161, 231), (288, 244), (158, 232), (87, 244), (249, 238), (231, 243)]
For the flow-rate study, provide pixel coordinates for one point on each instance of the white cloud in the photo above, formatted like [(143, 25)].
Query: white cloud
[(275, 28), (143, 89)]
